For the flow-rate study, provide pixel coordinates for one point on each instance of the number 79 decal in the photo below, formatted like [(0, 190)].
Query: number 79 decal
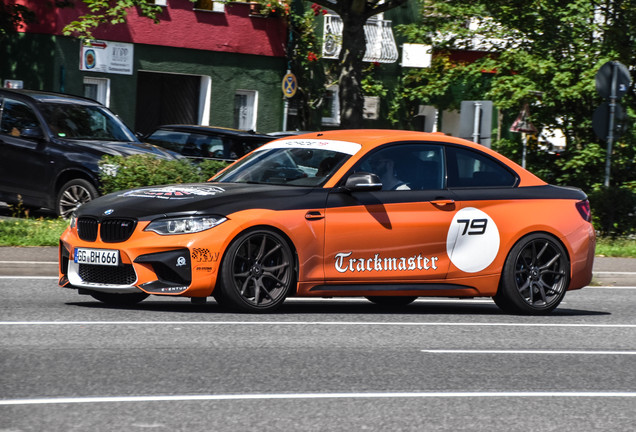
[(473, 226), (473, 240)]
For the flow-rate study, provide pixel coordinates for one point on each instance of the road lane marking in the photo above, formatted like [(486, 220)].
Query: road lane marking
[(449, 351), (272, 396), (314, 323)]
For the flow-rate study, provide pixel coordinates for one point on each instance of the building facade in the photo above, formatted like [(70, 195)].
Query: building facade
[(204, 63)]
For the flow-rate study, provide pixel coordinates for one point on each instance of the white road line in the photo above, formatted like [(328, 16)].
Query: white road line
[(605, 273), (30, 277), (29, 262), (271, 396), (446, 351), (311, 323)]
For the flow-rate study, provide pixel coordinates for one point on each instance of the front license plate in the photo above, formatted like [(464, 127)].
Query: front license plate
[(96, 256)]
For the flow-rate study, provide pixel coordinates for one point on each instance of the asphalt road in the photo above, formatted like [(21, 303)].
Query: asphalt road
[(69, 363)]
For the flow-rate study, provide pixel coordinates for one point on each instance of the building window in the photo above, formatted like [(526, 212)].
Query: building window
[(209, 5), (159, 2), (97, 89), (331, 107), (245, 103)]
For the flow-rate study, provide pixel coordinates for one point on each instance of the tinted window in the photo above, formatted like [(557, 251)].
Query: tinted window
[(468, 168), (16, 117), (407, 166), (85, 122)]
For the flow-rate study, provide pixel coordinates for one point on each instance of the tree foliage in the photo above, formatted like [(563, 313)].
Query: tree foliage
[(542, 52), (109, 12), (13, 17)]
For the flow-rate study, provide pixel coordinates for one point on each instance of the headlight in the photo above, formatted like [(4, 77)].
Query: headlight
[(184, 225)]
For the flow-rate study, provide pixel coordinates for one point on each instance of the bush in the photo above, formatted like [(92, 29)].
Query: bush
[(614, 211), (126, 172)]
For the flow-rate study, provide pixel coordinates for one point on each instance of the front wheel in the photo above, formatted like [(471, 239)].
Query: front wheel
[(73, 194), (257, 272), (535, 276)]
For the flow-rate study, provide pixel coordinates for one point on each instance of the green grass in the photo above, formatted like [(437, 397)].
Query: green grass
[(47, 231), (619, 247), (31, 232)]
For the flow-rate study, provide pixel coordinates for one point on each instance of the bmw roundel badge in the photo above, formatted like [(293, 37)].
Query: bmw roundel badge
[(109, 212)]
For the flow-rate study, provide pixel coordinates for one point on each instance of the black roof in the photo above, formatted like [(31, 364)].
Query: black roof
[(214, 130), (41, 96)]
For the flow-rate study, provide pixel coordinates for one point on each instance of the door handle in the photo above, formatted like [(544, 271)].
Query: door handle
[(443, 202), (314, 215)]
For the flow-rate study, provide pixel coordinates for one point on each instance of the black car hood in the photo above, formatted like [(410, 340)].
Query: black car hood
[(122, 148), (201, 198)]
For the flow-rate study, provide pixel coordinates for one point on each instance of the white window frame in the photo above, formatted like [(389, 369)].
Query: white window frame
[(217, 6), (103, 89), (333, 119), (251, 109), (161, 2)]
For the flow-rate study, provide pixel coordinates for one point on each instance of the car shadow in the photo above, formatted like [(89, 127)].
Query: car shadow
[(337, 307)]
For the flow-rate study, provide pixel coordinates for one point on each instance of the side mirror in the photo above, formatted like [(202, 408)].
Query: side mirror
[(32, 133), (362, 181)]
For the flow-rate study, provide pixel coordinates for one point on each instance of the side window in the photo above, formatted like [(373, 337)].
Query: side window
[(407, 167), (468, 168), (17, 117)]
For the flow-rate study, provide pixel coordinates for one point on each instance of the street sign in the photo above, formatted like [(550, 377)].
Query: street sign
[(289, 85), (522, 122), (600, 120), (604, 79)]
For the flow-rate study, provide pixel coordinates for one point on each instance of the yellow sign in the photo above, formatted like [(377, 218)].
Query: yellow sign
[(290, 85)]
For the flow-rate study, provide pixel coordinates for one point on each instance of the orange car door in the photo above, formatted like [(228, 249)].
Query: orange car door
[(391, 235)]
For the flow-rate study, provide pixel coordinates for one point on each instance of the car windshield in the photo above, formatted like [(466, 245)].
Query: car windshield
[(87, 122), (290, 162)]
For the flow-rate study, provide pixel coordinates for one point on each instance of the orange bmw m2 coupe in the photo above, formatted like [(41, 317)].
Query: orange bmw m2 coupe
[(386, 215)]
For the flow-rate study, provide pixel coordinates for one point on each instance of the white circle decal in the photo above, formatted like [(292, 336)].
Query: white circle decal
[(473, 240)]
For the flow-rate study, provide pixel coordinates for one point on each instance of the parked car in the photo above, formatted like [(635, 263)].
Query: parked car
[(50, 146), (388, 215), (196, 141)]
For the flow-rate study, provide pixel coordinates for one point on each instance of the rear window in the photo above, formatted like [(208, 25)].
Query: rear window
[(471, 169)]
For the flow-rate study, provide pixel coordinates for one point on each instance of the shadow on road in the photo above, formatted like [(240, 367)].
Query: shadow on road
[(336, 308)]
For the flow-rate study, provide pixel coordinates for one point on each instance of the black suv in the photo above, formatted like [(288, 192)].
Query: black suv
[(196, 141), (50, 146)]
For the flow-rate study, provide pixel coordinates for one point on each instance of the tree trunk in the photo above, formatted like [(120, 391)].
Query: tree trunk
[(350, 79)]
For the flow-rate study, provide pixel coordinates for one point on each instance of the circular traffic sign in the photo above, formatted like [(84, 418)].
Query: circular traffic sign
[(290, 85), (604, 79)]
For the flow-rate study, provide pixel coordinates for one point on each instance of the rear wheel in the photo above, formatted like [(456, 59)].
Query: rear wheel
[(116, 299), (535, 276), (257, 272), (392, 301), (73, 194)]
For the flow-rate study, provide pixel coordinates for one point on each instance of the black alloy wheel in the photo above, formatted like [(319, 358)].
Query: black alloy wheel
[(257, 273), (535, 276), (73, 194)]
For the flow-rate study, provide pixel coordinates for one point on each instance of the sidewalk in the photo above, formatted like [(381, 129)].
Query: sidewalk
[(42, 261)]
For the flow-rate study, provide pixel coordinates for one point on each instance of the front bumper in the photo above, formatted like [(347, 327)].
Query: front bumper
[(165, 265)]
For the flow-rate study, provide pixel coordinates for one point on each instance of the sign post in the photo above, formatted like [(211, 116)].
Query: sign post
[(522, 124), (612, 82)]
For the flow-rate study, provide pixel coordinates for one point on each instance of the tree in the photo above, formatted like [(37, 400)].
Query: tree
[(354, 14), (109, 12), (542, 52)]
